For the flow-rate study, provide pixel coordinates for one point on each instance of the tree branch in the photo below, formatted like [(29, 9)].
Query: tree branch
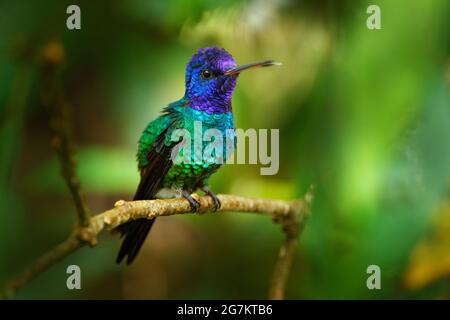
[(61, 124), (125, 211), (71, 244), (292, 225)]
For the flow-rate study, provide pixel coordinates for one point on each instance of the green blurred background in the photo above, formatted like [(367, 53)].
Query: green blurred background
[(363, 114)]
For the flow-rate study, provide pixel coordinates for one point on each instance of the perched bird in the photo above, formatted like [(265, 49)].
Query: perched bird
[(211, 76)]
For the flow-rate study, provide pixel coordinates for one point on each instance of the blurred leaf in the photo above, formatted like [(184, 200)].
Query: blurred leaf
[(430, 259), (101, 170)]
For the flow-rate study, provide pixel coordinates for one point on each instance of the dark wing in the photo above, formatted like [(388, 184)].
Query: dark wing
[(152, 175), (159, 163)]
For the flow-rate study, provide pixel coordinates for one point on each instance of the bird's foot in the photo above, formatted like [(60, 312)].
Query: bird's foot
[(216, 200), (195, 205)]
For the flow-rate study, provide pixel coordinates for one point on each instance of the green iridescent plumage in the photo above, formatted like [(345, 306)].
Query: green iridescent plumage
[(195, 173)]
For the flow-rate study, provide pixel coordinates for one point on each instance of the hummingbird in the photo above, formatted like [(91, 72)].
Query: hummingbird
[(211, 76)]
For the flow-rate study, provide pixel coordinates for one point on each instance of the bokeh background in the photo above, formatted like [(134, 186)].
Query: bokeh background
[(363, 114)]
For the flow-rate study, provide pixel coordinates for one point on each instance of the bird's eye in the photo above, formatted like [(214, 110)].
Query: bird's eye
[(206, 74)]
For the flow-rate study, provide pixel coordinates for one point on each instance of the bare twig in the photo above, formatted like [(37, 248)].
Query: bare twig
[(292, 225), (50, 258), (60, 123), (126, 211)]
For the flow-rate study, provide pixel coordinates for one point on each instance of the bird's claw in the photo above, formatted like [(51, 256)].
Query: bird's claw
[(195, 205), (217, 203), (216, 200)]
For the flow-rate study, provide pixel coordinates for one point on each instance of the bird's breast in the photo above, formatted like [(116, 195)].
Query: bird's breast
[(220, 121)]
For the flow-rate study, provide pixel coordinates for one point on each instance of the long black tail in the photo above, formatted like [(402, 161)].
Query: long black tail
[(134, 233)]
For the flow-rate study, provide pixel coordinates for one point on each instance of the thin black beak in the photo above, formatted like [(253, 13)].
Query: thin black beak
[(239, 69)]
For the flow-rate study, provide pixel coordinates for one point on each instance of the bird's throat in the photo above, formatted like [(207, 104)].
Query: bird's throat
[(211, 104)]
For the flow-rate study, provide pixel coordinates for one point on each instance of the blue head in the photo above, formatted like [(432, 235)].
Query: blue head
[(211, 76)]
